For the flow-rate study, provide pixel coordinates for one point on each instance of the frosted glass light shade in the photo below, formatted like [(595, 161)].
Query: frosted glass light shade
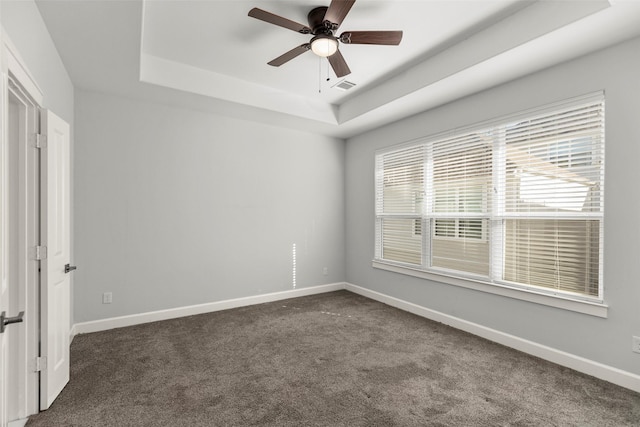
[(324, 46)]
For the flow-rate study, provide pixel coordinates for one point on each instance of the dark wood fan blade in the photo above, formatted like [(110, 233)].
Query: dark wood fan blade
[(339, 65), (271, 18), (371, 37), (296, 51), (337, 11)]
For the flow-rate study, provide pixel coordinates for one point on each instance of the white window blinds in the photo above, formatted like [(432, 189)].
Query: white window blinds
[(460, 172), (518, 203), (399, 194), (553, 199)]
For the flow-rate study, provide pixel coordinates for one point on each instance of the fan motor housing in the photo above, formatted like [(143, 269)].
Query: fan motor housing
[(316, 21)]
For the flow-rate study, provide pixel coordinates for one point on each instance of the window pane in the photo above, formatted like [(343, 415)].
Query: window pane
[(417, 227), (445, 228), (472, 198), (402, 181), (554, 162), (446, 199), (557, 254), (470, 228), (400, 242), (462, 174), (469, 252)]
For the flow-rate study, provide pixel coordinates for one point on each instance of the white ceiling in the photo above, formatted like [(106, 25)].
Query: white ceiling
[(209, 55), (221, 38)]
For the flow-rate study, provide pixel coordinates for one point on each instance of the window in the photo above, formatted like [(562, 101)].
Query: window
[(516, 204), (400, 204)]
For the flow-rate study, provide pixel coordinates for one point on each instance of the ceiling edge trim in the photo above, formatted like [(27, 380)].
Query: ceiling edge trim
[(171, 74)]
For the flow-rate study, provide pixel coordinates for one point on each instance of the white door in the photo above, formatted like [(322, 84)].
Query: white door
[(4, 281), (55, 236)]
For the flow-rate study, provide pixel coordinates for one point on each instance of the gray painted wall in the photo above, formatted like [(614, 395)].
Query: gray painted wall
[(177, 207), (27, 31), (614, 70)]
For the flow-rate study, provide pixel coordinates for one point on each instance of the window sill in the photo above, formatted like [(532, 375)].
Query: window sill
[(585, 307)]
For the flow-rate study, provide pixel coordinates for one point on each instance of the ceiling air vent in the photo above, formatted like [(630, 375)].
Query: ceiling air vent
[(343, 85)]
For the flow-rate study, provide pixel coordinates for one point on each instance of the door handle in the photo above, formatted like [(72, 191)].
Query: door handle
[(4, 320), (68, 268)]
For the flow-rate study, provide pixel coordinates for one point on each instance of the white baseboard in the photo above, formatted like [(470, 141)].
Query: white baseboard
[(173, 313), (18, 423), (604, 372), (72, 333)]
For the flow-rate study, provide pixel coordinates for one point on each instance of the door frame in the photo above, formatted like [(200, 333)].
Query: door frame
[(19, 82), (24, 288)]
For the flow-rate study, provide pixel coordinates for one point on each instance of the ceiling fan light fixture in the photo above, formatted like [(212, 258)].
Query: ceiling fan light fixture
[(323, 23), (324, 45)]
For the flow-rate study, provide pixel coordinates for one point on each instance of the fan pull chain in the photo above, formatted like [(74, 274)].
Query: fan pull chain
[(319, 75)]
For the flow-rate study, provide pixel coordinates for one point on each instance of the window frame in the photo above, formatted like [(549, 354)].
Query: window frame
[(544, 295)]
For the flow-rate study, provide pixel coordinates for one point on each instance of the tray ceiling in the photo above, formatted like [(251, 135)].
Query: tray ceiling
[(210, 55)]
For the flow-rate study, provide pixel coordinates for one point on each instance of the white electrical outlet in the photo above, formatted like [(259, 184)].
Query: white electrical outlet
[(325, 271), (635, 344), (107, 298)]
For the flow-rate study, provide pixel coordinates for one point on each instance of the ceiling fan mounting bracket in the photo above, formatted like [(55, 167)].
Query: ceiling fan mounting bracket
[(317, 23)]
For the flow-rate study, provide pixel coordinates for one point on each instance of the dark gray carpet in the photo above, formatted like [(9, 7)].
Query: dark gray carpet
[(333, 359)]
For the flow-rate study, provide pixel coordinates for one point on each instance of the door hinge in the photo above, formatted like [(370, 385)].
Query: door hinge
[(41, 253), (41, 364), (41, 140)]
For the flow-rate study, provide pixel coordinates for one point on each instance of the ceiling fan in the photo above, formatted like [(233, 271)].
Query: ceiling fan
[(323, 22)]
